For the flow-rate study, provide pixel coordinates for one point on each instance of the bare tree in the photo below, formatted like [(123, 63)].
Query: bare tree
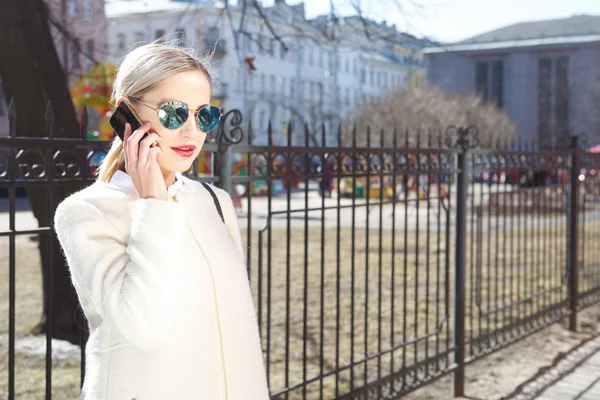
[(32, 76), (287, 26), (426, 109)]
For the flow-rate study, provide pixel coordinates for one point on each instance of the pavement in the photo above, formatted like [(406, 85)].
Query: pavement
[(574, 375), (581, 384)]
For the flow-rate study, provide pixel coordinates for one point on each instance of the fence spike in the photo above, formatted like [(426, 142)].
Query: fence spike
[(306, 134), (368, 135), (323, 135), (250, 132), (289, 133), (406, 137), (84, 122), (339, 134), (270, 133), (354, 135), (49, 117), (12, 118), (382, 139), (395, 137)]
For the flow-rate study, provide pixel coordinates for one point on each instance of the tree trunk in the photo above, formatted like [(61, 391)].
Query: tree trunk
[(32, 75)]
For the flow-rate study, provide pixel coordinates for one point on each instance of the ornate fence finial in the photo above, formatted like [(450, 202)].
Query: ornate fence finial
[(228, 135), (462, 137), (12, 118), (49, 116)]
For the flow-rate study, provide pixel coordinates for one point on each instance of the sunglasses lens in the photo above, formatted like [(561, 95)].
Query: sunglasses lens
[(173, 115), (208, 118)]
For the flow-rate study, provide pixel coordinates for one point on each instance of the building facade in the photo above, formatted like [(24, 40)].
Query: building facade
[(544, 74), (80, 41), (302, 78)]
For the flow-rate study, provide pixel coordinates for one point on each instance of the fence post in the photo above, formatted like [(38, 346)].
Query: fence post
[(460, 259), (573, 230)]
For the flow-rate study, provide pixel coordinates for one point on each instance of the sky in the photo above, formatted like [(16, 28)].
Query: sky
[(453, 20)]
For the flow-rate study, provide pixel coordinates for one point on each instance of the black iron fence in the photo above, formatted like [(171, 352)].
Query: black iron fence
[(375, 269)]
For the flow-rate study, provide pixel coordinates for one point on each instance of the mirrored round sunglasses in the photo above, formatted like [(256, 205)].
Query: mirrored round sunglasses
[(173, 114)]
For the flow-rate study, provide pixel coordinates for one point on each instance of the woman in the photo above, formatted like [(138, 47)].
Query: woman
[(161, 278)]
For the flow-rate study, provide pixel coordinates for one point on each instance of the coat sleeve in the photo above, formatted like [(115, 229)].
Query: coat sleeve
[(129, 282)]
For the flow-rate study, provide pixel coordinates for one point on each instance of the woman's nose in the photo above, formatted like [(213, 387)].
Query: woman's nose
[(190, 128)]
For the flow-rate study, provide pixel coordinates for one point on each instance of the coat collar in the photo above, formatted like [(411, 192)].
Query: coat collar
[(123, 181)]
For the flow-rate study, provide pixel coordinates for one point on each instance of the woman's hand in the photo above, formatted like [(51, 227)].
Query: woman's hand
[(141, 165)]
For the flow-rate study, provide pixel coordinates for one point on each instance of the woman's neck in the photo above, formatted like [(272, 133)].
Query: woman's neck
[(169, 178)]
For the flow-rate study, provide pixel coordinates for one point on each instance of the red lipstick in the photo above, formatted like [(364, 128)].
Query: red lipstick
[(185, 151)]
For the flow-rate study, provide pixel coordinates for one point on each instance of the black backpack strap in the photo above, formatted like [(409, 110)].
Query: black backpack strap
[(215, 199)]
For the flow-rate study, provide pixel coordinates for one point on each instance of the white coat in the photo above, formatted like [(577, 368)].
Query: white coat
[(165, 289)]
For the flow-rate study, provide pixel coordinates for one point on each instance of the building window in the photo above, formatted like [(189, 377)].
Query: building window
[(250, 81), (273, 85), (262, 122), (372, 77), (139, 38), (489, 81), (311, 60), (347, 96), (88, 10), (481, 78), (262, 46), (283, 86), (160, 35), (121, 41), (553, 99), (321, 55), (271, 49), (89, 50), (247, 42), (544, 99), (180, 36), (282, 51), (561, 106), (73, 8), (237, 78), (497, 94), (319, 92), (75, 62), (292, 87), (262, 83)]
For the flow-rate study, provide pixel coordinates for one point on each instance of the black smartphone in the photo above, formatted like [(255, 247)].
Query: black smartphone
[(122, 115)]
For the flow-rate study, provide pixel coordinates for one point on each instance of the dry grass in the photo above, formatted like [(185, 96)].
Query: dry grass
[(419, 275)]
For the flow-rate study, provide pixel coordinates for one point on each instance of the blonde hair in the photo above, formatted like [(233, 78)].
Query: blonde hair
[(141, 70)]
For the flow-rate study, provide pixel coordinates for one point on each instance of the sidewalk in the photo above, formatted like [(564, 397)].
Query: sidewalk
[(574, 375), (581, 384)]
